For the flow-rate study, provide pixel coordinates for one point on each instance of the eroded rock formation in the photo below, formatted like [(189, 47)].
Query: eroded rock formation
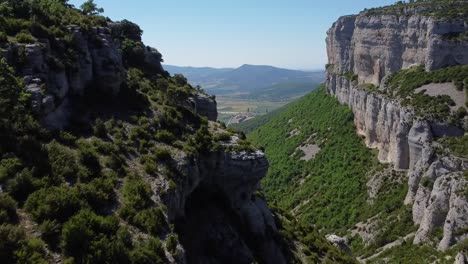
[(366, 49), (215, 206), (218, 196)]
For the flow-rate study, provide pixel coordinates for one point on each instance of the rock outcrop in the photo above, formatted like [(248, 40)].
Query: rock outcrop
[(438, 196), (204, 105), (366, 49), (339, 242), (217, 185), (461, 258), (94, 63), (373, 46), (215, 199)]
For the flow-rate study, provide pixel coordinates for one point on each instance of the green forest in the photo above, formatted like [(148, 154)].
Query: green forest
[(329, 191)]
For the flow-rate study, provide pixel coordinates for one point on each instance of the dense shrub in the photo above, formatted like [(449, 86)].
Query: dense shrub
[(223, 136), (103, 147), (3, 37), (90, 161), (133, 53), (165, 136), (152, 220), (7, 209), (12, 97), (53, 203), (100, 129), (11, 239), (452, 9), (63, 162), (202, 140), (148, 251), (457, 145), (99, 192), (39, 31), (9, 167), (162, 154), (136, 193), (67, 138), (22, 185), (90, 8), (461, 112), (171, 243), (138, 208), (15, 248), (128, 30), (24, 37), (90, 238), (50, 230)]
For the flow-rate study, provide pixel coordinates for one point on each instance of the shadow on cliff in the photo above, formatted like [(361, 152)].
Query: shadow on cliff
[(211, 232), (97, 104)]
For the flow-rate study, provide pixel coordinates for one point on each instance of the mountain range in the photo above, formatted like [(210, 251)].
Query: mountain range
[(251, 81)]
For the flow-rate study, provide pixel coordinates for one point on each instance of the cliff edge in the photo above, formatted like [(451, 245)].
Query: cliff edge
[(395, 68)]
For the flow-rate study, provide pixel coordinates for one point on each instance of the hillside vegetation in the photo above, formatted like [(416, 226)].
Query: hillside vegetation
[(441, 9), (328, 191), (403, 84), (97, 191)]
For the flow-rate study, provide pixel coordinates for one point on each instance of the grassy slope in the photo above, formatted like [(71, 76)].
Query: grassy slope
[(335, 189)]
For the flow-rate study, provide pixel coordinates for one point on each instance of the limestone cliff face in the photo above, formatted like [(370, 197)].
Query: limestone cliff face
[(94, 62), (374, 46), (437, 189), (217, 196), (97, 65), (371, 47), (384, 123)]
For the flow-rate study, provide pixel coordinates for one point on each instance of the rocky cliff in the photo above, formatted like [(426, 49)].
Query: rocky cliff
[(219, 196), (364, 51), (176, 175)]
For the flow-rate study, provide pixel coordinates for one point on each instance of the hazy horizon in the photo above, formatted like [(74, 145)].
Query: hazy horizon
[(220, 34), (235, 67)]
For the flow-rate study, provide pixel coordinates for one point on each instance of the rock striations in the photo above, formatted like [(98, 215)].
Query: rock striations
[(366, 49), (220, 184)]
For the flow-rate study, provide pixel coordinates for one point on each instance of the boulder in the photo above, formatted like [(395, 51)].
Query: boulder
[(204, 105), (108, 70), (339, 242)]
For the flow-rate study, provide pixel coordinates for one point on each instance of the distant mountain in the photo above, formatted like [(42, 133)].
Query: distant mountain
[(249, 79), (284, 91), (195, 74)]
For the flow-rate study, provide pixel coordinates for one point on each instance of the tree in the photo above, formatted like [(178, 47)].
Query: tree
[(90, 238), (11, 93), (90, 8)]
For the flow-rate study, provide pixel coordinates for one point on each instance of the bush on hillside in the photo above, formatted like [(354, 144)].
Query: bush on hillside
[(53, 203), (90, 238), (7, 209), (24, 37)]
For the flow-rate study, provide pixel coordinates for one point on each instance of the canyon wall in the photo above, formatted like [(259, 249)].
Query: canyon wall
[(218, 195), (366, 49), (215, 205)]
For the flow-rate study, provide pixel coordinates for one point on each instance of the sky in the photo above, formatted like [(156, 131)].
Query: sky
[(229, 33)]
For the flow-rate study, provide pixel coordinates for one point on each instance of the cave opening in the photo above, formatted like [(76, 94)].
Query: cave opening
[(210, 231)]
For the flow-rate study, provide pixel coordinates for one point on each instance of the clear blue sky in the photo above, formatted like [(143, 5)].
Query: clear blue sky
[(229, 33)]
